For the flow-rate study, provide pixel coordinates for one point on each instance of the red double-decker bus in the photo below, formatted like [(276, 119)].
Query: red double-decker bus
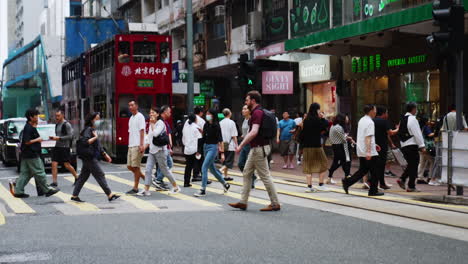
[(105, 78)]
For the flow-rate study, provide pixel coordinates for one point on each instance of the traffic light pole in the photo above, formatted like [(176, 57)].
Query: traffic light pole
[(190, 77)]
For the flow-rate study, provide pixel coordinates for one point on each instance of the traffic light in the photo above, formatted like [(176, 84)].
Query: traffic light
[(450, 18), (246, 73)]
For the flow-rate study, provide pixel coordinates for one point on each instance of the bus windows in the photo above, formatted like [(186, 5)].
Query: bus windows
[(145, 101), (124, 112), (144, 51), (165, 53), (124, 52)]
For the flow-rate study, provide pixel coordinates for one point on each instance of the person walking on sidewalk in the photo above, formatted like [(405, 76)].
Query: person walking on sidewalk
[(91, 164), (229, 133), (383, 137), (158, 153), (286, 129), (246, 149), (367, 152), (412, 142), (61, 152), (136, 144), (341, 154), (257, 159), (315, 161), (426, 160), (213, 142), (190, 135), (31, 163)]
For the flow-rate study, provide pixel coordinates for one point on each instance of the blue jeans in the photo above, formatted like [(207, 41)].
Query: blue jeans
[(211, 152), (243, 159), (158, 174)]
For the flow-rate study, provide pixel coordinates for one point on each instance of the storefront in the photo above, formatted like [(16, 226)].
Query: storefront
[(392, 80), (319, 83)]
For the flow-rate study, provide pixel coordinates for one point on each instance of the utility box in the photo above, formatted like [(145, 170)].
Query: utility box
[(459, 158), (254, 29)]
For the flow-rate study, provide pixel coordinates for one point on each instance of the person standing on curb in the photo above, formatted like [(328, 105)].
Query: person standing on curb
[(286, 128), (158, 153), (367, 153), (90, 162), (31, 163), (190, 136), (412, 142), (61, 152), (257, 159), (136, 145), (229, 133)]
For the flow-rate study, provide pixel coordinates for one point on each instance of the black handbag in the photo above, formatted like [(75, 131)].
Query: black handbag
[(161, 140)]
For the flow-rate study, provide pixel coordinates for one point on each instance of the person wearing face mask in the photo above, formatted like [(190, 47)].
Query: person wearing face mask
[(91, 164), (213, 142)]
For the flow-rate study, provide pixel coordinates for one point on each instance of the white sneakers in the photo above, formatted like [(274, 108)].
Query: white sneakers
[(434, 183), (331, 181), (175, 190), (144, 193)]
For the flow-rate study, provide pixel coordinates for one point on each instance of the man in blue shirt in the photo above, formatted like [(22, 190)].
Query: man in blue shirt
[(286, 128)]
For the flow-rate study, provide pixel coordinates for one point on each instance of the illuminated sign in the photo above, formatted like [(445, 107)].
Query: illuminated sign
[(407, 60), (374, 62), (199, 100), (145, 83)]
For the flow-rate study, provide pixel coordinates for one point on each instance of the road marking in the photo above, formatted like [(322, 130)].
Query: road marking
[(66, 199), (178, 195), (2, 219), (24, 257), (138, 203), (16, 204)]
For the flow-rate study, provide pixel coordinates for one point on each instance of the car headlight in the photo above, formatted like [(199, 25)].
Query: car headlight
[(44, 151)]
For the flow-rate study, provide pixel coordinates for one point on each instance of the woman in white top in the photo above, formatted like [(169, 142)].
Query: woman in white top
[(156, 155), (190, 135)]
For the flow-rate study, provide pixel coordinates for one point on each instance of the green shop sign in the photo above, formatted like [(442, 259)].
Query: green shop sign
[(309, 16), (275, 13), (145, 83), (199, 100), (375, 62)]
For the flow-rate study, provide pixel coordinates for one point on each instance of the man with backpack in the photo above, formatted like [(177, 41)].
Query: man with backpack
[(412, 142), (61, 152), (262, 128)]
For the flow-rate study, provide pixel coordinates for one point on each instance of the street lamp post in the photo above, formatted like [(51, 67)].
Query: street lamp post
[(190, 77)]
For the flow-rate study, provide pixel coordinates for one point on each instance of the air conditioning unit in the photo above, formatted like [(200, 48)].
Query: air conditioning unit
[(254, 27), (220, 10)]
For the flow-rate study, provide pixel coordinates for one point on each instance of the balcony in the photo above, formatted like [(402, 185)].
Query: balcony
[(150, 18)]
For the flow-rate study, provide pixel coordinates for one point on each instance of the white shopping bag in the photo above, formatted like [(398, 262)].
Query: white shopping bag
[(399, 157)]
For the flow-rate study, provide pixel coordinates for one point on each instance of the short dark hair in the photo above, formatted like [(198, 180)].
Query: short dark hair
[(255, 95), (132, 100), (156, 109), (300, 114), (411, 106), (59, 111), (191, 118), (452, 107), (381, 110), (368, 108), (30, 113), (197, 110), (164, 108)]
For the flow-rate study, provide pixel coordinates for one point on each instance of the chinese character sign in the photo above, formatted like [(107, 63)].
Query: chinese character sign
[(277, 82)]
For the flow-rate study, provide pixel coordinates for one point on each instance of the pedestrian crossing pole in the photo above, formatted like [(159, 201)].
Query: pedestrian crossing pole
[(190, 77)]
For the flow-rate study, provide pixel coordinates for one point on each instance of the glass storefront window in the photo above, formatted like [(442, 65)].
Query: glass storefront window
[(422, 88)]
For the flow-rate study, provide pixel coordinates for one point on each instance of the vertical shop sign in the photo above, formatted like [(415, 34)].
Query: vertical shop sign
[(277, 82), (333, 94), (309, 16), (275, 17)]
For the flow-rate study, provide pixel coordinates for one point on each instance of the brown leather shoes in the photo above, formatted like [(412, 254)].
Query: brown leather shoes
[(239, 206), (271, 207)]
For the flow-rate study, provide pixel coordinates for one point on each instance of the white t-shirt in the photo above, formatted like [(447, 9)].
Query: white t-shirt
[(228, 130), (366, 127), (159, 127), (135, 125), (190, 136), (200, 121), (298, 121)]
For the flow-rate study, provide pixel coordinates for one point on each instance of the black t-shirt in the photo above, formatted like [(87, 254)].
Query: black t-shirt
[(382, 127), (312, 132), (30, 151), (212, 133)]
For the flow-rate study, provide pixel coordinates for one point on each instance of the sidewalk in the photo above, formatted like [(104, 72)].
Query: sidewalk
[(428, 192)]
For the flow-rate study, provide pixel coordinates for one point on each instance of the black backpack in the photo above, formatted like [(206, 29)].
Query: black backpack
[(84, 150), (269, 127), (403, 132)]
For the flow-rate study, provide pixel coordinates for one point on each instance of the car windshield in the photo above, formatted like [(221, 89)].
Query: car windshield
[(15, 128), (46, 131)]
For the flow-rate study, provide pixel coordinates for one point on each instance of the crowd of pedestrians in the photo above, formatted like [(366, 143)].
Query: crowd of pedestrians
[(206, 140)]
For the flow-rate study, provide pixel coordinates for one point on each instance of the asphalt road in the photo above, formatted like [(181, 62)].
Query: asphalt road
[(181, 229)]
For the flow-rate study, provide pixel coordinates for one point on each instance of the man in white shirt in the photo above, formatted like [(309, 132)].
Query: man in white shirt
[(229, 133), (450, 120), (198, 111), (412, 141), (367, 152), (136, 144)]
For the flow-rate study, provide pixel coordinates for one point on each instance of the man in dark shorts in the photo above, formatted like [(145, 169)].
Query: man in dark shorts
[(61, 153)]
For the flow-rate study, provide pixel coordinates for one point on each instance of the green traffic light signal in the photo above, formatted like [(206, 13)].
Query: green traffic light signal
[(250, 82)]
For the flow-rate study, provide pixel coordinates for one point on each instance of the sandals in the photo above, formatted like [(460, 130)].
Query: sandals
[(113, 197)]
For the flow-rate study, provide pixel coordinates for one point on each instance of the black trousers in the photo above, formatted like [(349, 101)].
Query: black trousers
[(381, 162), (91, 167), (190, 164), (411, 154), (339, 159), (365, 166)]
